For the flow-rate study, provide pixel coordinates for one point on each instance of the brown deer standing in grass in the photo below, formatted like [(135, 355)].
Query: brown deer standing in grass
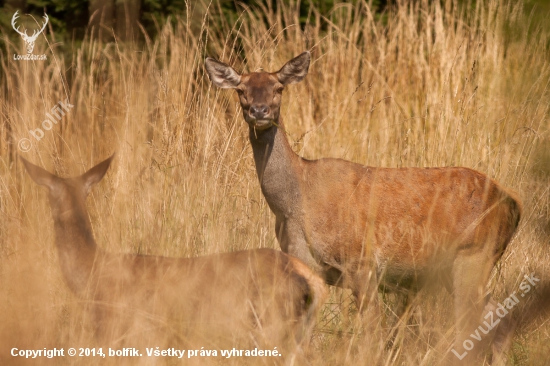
[(365, 227), (218, 298)]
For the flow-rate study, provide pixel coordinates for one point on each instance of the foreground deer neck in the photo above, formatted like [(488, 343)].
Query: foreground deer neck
[(276, 165), (75, 245)]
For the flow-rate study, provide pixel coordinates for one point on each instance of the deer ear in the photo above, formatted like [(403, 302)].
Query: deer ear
[(95, 174), (222, 75), (294, 70), (39, 175)]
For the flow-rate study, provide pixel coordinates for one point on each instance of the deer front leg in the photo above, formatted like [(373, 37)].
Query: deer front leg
[(292, 240)]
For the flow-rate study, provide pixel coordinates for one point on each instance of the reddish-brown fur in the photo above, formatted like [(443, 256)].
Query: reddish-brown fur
[(348, 221)]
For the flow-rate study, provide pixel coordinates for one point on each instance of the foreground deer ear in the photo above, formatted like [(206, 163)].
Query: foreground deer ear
[(222, 75), (294, 70), (95, 174), (39, 175)]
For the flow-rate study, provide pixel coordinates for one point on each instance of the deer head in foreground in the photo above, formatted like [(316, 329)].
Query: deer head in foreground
[(347, 221), (29, 40), (226, 298)]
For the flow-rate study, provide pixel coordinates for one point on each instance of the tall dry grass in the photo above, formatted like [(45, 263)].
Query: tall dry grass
[(431, 84)]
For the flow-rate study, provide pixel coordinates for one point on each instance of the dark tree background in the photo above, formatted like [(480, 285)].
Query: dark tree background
[(72, 18), (122, 17)]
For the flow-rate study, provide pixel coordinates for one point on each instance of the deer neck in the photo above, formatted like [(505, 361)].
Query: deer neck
[(76, 247), (277, 166)]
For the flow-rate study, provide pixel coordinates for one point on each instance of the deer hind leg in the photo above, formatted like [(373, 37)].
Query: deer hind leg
[(470, 276), (504, 333)]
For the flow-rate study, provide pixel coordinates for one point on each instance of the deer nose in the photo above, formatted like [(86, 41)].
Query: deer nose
[(259, 111)]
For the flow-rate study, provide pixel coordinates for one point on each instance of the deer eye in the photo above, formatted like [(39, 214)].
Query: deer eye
[(241, 93), (279, 90)]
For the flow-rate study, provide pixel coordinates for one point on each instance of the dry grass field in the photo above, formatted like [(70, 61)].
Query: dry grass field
[(428, 84)]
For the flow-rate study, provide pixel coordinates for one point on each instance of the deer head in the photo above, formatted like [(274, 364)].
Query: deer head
[(29, 40), (67, 194), (259, 92)]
